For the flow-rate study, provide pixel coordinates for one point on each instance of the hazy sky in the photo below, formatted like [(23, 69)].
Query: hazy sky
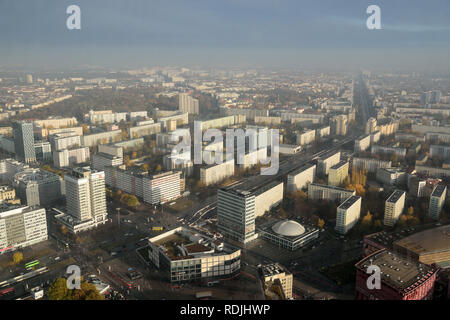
[(129, 33)]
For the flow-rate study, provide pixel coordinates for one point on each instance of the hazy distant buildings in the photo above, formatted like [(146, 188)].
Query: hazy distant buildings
[(339, 125), (24, 141), (371, 126), (188, 104)]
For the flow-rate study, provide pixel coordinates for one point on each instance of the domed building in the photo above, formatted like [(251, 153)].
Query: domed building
[(288, 234)]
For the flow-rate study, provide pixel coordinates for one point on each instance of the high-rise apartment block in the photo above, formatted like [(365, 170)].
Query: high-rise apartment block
[(347, 214), (188, 104), (437, 201), (394, 207)]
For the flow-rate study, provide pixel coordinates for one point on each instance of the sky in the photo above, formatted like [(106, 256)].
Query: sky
[(231, 33)]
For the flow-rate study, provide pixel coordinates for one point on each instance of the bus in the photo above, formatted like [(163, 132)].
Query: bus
[(31, 264), (157, 228)]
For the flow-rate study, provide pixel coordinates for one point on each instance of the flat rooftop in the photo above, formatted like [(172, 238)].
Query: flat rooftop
[(183, 243), (254, 185), (329, 155), (429, 241), (349, 202), (439, 190), (272, 269), (393, 198), (339, 164), (301, 169), (330, 187), (397, 271)]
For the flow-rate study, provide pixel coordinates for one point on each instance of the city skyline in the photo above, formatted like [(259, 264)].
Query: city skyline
[(326, 34)]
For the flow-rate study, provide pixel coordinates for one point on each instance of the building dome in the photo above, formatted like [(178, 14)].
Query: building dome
[(288, 228)]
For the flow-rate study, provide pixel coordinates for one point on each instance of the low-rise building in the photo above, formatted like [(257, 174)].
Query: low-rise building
[(184, 255), (277, 281)]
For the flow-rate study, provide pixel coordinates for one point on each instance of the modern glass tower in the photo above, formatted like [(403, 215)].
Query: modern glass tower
[(24, 141)]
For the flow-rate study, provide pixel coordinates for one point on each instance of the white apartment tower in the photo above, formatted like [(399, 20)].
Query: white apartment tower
[(85, 195), (394, 207)]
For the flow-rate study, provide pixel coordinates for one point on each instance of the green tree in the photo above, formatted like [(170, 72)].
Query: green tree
[(320, 223), (58, 290), (17, 257)]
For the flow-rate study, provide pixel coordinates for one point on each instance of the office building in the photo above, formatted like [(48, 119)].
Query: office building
[(145, 130), (394, 207), (85, 196), (401, 278), (300, 178), (43, 151), (277, 281), (38, 187), (338, 173), (347, 214), (325, 162), (306, 137), (329, 193), (9, 167), (215, 173), (437, 201), (440, 151), (323, 132), (369, 164), (90, 140), (24, 141), (184, 255), (239, 203), (22, 226), (162, 187), (7, 193), (61, 141), (391, 176), (69, 157)]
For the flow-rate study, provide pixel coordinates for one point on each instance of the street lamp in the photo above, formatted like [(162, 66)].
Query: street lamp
[(118, 216)]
